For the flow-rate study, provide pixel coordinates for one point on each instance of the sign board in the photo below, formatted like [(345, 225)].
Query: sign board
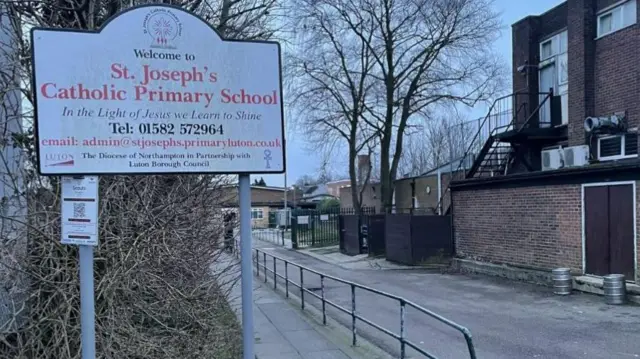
[(80, 210), (303, 219), (324, 217), (156, 91)]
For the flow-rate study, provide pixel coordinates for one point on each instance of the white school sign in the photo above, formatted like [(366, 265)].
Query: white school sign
[(156, 91)]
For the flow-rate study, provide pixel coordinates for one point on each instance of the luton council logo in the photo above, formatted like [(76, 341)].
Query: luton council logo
[(163, 27), (59, 160)]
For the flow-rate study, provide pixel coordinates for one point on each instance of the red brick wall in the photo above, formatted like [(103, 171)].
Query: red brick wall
[(602, 73), (526, 35), (581, 31), (616, 74), (637, 232), (537, 227)]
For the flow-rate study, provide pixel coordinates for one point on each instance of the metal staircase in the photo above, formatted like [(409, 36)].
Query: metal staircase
[(489, 154)]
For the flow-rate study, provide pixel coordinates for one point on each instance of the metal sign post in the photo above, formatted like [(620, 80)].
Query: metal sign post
[(87, 303), (157, 91), (246, 266), (79, 214)]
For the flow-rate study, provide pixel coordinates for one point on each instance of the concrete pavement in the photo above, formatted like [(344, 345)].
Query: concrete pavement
[(282, 331), (508, 320), (272, 235), (332, 255)]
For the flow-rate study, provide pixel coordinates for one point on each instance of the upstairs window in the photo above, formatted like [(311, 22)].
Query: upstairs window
[(553, 46), (546, 49), (618, 146), (617, 17)]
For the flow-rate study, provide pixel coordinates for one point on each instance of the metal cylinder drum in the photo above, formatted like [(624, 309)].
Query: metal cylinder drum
[(562, 281), (615, 289)]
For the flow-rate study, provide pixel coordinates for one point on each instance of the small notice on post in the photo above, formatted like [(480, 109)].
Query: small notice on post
[(80, 210)]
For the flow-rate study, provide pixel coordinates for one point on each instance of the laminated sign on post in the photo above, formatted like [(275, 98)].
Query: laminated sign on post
[(80, 210), (156, 91)]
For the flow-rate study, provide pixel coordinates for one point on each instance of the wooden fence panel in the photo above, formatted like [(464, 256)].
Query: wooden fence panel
[(398, 238), (431, 238)]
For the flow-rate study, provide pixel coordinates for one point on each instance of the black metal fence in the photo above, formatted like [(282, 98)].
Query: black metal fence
[(267, 264), (319, 228)]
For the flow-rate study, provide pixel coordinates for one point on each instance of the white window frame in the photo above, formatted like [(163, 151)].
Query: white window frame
[(555, 58), (622, 154), (616, 10), (556, 51), (553, 50), (563, 59), (259, 215)]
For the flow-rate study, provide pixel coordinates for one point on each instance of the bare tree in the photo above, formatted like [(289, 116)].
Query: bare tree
[(436, 142), (426, 52), (330, 73), (306, 180), (160, 289)]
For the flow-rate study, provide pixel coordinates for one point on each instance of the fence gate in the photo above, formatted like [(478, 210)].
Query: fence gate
[(317, 228)]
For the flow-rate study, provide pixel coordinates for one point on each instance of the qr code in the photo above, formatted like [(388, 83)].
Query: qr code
[(79, 210)]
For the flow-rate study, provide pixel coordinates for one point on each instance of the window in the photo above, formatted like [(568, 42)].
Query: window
[(256, 213), (618, 146), (606, 23), (563, 69), (553, 47), (617, 18), (563, 42), (546, 49)]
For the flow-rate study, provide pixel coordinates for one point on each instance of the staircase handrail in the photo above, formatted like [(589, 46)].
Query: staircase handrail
[(491, 133), (471, 144), (525, 124), (547, 97)]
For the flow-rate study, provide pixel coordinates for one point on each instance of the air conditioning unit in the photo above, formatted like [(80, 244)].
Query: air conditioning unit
[(576, 156), (552, 159)]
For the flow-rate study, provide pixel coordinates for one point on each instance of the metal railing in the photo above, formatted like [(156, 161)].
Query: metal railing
[(319, 228), (260, 258), (503, 115)]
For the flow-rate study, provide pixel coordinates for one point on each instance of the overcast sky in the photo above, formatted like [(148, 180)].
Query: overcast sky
[(301, 162)]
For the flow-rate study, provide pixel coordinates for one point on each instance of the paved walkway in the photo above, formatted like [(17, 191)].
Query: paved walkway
[(507, 319), (283, 333), (281, 330)]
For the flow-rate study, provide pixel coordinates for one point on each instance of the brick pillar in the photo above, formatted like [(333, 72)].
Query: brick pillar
[(582, 32), (525, 52)]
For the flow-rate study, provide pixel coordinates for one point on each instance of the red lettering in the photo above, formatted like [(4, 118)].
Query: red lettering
[(116, 71), (184, 77), (243, 97), (81, 92), (140, 90), (43, 90)]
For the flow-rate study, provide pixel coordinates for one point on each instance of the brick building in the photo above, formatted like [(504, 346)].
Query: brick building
[(422, 194), (555, 186), (333, 187), (264, 199)]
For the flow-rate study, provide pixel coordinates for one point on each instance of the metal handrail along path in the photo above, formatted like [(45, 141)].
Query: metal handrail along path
[(401, 337)]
